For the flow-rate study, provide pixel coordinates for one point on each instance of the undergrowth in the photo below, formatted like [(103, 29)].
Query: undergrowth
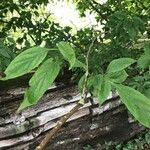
[(141, 142)]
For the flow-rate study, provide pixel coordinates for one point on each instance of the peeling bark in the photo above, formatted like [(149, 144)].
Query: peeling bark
[(91, 123)]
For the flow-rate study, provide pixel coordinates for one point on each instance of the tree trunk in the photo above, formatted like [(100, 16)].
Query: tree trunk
[(91, 123)]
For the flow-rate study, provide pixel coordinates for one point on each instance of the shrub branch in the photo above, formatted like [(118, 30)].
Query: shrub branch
[(80, 103)]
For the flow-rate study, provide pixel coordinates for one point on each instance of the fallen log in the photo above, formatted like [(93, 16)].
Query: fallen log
[(91, 123)]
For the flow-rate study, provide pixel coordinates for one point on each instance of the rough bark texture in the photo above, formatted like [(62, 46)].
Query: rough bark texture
[(90, 124)]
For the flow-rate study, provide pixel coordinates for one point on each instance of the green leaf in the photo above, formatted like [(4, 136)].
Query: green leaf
[(81, 82), (102, 88), (25, 62), (138, 24), (68, 52), (4, 51), (132, 32), (119, 64), (144, 61), (120, 15), (118, 77), (40, 82), (25, 102), (79, 64), (146, 92), (147, 49), (137, 103)]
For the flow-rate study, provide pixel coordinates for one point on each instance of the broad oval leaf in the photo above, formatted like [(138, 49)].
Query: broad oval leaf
[(118, 77), (137, 103), (119, 64), (144, 61), (68, 52), (132, 32), (25, 62), (25, 103), (4, 51), (40, 82), (146, 92), (102, 88), (79, 64), (147, 49), (81, 82)]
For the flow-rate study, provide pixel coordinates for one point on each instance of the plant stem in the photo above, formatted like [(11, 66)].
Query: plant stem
[(80, 103), (62, 121), (84, 92)]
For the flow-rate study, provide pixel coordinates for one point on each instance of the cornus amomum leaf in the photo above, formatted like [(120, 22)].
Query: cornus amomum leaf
[(118, 77), (79, 64), (144, 60), (147, 49), (25, 62), (68, 52), (137, 103), (102, 87), (4, 51), (40, 82), (119, 64)]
